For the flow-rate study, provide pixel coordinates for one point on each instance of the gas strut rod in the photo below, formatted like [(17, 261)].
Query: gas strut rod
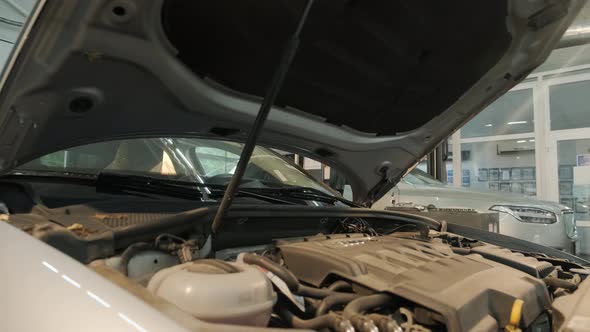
[(271, 95)]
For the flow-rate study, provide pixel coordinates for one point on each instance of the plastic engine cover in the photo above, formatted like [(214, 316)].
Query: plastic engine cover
[(217, 291), (471, 292)]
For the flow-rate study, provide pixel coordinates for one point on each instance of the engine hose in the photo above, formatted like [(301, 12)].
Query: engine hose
[(287, 276), (362, 304), (340, 285), (315, 293), (461, 251), (331, 321), (356, 308), (560, 283), (335, 299), (131, 251)]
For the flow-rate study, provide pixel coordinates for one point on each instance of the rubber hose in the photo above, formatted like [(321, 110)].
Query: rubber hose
[(340, 285), (316, 293), (331, 300), (131, 251), (330, 321), (287, 276), (362, 304), (560, 283), (461, 251)]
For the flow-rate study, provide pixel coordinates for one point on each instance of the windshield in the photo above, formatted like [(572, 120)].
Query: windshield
[(417, 176), (186, 159)]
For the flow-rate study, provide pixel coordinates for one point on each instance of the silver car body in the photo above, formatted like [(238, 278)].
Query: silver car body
[(50, 291), (560, 235), (64, 295)]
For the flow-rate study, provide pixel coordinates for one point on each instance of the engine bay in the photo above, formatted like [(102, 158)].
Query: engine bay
[(293, 267), (355, 282)]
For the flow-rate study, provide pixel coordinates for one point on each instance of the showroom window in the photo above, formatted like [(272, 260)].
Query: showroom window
[(567, 139), (510, 114), (574, 172), (498, 145), (569, 105), (530, 140), (507, 166)]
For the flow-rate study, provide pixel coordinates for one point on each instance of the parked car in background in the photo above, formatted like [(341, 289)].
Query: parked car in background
[(547, 223)]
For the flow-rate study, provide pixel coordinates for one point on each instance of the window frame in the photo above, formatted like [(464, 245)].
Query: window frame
[(456, 137), (546, 140)]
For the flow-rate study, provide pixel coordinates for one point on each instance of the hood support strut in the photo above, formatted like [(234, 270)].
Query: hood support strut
[(269, 99)]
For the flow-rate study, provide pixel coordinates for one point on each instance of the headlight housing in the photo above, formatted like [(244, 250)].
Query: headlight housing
[(569, 220), (527, 214)]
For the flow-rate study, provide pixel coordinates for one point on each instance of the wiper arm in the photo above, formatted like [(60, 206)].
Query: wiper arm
[(255, 194), (307, 193), (319, 193), (129, 182), (145, 184)]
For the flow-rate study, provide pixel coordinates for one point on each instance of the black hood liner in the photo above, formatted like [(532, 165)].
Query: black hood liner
[(380, 67)]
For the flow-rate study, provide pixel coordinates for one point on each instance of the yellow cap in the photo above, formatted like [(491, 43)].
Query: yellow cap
[(515, 315)]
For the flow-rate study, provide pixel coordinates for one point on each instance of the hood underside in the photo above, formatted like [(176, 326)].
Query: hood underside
[(374, 86), (379, 67)]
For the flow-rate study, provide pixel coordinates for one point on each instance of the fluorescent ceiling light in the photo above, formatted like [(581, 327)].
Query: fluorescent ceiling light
[(531, 140), (517, 122), (576, 31), (488, 125), (522, 141)]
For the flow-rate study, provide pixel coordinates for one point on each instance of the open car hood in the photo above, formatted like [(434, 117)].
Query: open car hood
[(374, 86)]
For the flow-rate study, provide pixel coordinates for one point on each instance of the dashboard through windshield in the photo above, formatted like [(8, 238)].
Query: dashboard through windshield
[(185, 159)]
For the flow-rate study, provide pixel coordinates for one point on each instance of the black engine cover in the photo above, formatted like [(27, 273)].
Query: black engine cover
[(471, 292)]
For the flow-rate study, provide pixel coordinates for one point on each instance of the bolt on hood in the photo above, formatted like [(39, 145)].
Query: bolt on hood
[(374, 87)]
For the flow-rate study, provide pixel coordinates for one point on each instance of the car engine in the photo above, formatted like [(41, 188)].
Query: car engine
[(323, 269), (460, 292), (355, 282)]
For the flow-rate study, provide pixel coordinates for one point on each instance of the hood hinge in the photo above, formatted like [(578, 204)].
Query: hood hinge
[(381, 186)]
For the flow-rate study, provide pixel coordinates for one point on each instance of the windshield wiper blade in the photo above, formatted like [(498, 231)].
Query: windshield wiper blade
[(106, 181), (123, 182), (320, 195), (304, 193)]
